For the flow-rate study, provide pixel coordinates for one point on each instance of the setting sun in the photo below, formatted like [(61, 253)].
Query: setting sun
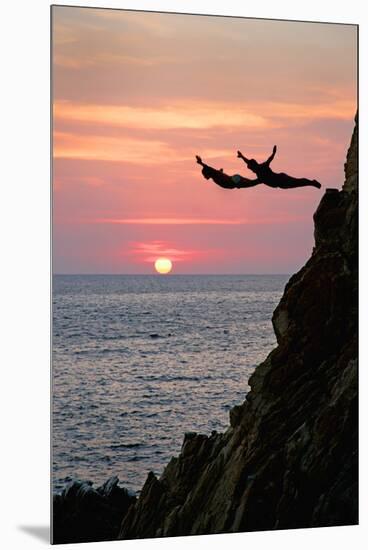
[(163, 265)]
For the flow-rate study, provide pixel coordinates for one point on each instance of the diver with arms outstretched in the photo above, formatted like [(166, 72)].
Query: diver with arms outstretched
[(263, 172)]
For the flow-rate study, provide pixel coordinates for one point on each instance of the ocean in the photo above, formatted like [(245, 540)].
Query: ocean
[(138, 360)]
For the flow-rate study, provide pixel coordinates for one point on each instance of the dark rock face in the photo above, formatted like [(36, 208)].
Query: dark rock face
[(290, 456), (84, 514)]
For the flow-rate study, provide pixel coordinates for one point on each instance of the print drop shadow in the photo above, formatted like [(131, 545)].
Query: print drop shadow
[(40, 532)]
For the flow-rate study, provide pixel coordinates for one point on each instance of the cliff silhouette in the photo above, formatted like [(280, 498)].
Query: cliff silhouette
[(289, 458)]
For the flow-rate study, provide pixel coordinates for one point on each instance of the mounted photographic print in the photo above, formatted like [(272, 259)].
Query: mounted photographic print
[(205, 260)]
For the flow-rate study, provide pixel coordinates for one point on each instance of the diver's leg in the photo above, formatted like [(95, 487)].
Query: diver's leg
[(303, 182), (288, 182)]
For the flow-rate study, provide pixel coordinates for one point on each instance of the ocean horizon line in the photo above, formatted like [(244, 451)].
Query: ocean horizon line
[(169, 275)]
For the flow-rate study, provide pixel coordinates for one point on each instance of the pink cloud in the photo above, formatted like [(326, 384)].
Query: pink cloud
[(196, 221), (148, 252)]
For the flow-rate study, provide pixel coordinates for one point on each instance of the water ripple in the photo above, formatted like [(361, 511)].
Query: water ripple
[(138, 361)]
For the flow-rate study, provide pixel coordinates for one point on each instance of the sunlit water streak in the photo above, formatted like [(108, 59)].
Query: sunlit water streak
[(139, 360)]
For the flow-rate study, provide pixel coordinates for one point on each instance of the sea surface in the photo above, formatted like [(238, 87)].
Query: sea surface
[(140, 360)]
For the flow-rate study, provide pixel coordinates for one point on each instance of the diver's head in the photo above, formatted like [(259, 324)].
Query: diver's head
[(205, 172)]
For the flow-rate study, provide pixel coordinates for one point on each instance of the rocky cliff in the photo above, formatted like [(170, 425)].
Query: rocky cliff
[(82, 513), (289, 457)]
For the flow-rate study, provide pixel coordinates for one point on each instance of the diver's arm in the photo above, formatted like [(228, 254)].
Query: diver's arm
[(241, 156), (270, 159)]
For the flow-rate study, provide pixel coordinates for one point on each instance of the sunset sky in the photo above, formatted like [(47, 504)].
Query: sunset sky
[(137, 95)]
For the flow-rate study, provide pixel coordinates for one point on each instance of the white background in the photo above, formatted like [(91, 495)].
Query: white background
[(25, 272)]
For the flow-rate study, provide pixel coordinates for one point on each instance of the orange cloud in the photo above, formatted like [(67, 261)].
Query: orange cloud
[(201, 115), (122, 149), (83, 61), (191, 115)]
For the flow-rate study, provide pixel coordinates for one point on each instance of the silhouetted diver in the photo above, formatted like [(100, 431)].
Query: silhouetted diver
[(223, 180), (264, 175), (268, 177)]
